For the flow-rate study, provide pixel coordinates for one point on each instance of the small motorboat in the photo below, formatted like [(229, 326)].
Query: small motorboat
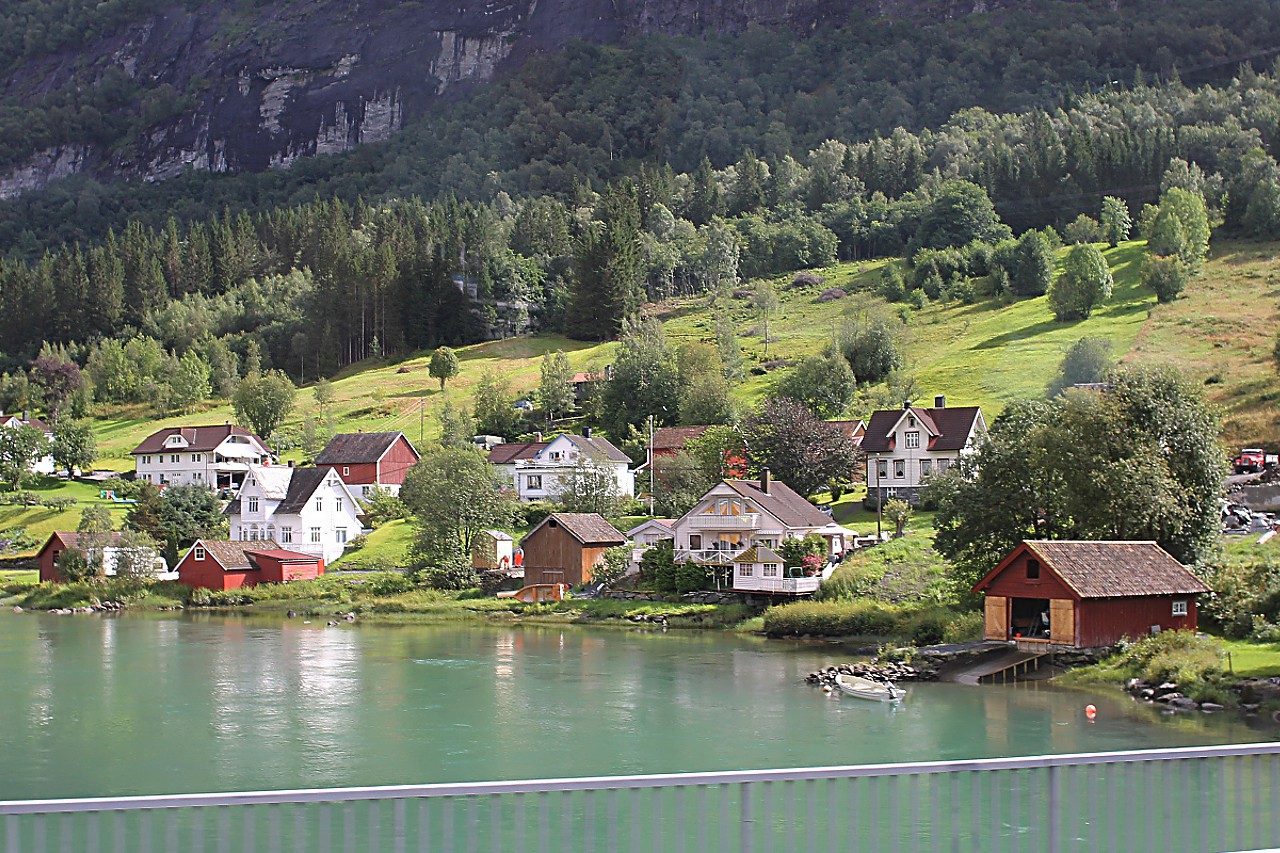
[(865, 688)]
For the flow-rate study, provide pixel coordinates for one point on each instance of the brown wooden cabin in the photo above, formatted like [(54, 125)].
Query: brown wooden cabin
[(1085, 594), (567, 546)]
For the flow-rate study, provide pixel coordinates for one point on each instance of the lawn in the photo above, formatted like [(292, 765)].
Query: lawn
[(1251, 659), (387, 548), (984, 354), (38, 521)]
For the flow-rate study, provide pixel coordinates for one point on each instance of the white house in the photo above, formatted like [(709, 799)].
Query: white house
[(738, 516), (304, 509), (43, 465), (216, 457), (536, 468), (644, 536), (906, 446)]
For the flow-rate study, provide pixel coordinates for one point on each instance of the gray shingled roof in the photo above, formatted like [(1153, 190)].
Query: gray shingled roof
[(357, 448), (782, 502), (589, 528), (598, 448)]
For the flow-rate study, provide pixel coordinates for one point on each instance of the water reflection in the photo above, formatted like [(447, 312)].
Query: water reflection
[(147, 705)]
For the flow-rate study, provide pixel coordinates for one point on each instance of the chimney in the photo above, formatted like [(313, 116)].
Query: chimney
[(290, 463), (537, 436), (940, 401), (586, 432), (906, 404), (764, 480)]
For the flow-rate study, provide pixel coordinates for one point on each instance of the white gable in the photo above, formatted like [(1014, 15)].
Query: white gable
[(175, 440), (560, 449)]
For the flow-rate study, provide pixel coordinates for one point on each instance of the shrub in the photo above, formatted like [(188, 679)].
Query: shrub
[(386, 583), (201, 597), (964, 627), (918, 299), (535, 512), (60, 503), (1166, 276), (1178, 656), (830, 619), (357, 543), (690, 577)]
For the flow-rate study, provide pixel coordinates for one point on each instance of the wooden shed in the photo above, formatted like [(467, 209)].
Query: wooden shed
[(1084, 594), (219, 564), (567, 546)]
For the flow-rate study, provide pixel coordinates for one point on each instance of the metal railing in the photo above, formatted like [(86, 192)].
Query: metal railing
[(1220, 798)]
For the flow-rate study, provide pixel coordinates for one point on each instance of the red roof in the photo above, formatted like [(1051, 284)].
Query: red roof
[(283, 555), (948, 428), (675, 438), (515, 450), (200, 439)]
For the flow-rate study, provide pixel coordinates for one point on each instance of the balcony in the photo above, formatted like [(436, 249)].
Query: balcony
[(777, 586), (716, 556), (746, 521)]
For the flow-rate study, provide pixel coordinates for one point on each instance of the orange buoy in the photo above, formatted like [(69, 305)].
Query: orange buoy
[(1090, 711)]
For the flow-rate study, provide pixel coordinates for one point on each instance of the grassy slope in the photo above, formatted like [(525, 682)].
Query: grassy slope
[(984, 354)]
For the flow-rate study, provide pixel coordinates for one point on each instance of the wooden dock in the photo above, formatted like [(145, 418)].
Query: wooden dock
[(1000, 667)]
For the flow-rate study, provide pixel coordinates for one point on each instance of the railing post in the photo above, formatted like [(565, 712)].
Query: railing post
[(1055, 809), (747, 820)]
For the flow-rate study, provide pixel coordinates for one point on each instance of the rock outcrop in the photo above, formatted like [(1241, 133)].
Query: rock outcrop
[(271, 83)]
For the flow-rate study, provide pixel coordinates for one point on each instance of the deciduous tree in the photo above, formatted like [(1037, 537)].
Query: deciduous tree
[(1085, 282), (74, 445), (797, 446), (443, 365), (262, 402)]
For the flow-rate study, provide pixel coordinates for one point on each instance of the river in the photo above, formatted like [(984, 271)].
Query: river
[(146, 703)]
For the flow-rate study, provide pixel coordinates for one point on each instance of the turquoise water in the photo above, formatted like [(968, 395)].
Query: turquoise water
[(140, 704)]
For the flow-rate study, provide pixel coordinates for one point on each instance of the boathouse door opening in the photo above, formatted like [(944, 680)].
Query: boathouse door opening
[(1030, 619)]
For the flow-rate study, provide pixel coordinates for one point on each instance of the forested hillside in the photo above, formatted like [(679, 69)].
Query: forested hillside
[(155, 90)]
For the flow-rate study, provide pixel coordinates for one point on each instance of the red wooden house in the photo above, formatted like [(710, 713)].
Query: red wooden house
[(368, 460), (1085, 594), (59, 541), (567, 546), (219, 564)]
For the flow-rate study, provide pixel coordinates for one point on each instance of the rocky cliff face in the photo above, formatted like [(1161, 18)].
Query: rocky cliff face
[(295, 79)]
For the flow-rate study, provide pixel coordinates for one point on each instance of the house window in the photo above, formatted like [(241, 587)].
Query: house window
[(337, 504), (346, 470), (173, 458), (943, 465), (926, 468), (882, 469), (769, 570), (899, 468), (1033, 570), (340, 534), (913, 440), (195, 457), (197, 553), (695, 541), (251, 505), (315, 534), (319, 504), (1179, 608), (533, 481), (746, 570), (286, 535)]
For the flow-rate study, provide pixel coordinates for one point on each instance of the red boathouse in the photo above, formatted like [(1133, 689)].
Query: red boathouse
[(219, 564), (1084, 594)]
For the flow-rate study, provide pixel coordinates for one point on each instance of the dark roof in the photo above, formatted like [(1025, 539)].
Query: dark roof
[(759, 554), (675, 438), (1109, 569), (357, 448), (281, 554), (589, 528), (231, 555), (302, 485), (199, 438), (35, 422), (782, 502), (598, 448), (515, 450), (71, 538), (949, 428)]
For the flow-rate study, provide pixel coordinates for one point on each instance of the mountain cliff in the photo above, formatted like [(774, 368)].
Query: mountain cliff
[(229, 87)]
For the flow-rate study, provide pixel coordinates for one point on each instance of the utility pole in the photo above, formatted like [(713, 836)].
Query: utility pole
[(650, 464)]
